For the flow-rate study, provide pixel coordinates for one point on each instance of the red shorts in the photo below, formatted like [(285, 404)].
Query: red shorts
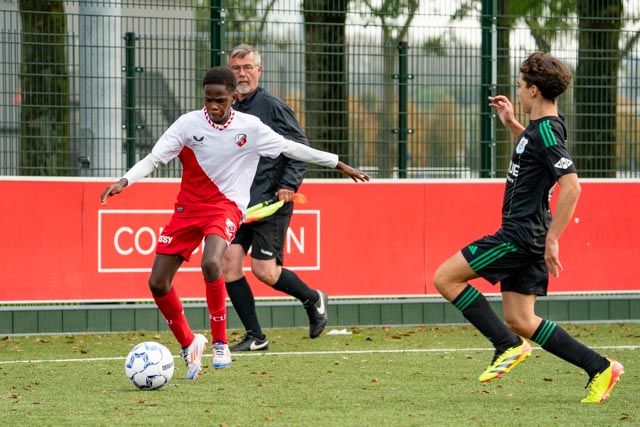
[(190, 225)]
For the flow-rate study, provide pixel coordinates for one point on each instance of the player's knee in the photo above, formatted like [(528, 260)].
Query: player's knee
[(439, 281), (232, 266), (211, 269), (268, 276), (158, 286)]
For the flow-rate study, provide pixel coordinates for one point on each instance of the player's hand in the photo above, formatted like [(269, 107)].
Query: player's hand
[(551, 258), (503, 108), (285, 194), (113, 189), (352, 173)]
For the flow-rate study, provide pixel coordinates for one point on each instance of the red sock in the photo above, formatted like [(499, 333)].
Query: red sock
[(217, 304), (171, 308)]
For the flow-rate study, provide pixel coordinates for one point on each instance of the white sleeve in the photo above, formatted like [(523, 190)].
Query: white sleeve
[(307, 154), (141, 169)]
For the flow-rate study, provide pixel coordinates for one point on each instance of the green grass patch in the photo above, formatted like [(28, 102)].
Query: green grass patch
[(400, 376)]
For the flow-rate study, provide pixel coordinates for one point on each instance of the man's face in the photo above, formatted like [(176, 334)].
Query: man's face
[(247, 74), (217, 101)]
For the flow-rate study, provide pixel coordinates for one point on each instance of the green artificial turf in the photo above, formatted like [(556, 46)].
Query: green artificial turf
[(399, 376)]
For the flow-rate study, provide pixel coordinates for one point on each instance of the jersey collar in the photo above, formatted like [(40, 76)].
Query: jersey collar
[(217, 126)]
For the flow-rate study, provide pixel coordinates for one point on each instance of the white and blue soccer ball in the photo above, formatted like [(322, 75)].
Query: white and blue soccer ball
[(149, 365)]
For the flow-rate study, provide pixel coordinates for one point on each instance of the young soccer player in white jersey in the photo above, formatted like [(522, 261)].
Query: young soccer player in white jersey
[(525, 249), (219, 149)]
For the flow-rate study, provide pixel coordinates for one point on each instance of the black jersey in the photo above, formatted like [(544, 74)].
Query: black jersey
[(540, 158), (281, 172)]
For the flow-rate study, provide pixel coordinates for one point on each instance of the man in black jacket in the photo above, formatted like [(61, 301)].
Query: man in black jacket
[(279, 178)]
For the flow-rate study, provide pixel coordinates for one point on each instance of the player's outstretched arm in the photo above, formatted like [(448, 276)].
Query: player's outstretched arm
[(301, 152), (141, 169), (113, 189), (352, 173)]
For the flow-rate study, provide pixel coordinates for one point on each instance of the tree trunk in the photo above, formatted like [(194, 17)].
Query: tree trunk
[(595, 87), (44, 114), (326, 112)]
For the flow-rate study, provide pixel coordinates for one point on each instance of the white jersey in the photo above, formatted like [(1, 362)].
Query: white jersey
[(219, 161)]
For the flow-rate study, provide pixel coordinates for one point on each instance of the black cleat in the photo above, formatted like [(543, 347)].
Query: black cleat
[(251, 343), (318, 315)]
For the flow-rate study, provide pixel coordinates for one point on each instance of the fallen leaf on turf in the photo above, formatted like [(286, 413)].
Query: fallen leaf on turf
[(11, 396)]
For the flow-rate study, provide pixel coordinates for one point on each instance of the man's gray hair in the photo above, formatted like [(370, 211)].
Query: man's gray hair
[(243, 50)]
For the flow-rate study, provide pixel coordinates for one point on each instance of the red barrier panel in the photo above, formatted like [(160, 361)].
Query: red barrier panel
[(380, 238)]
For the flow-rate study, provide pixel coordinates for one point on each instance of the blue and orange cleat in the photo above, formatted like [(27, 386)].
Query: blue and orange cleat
[(192, 356)]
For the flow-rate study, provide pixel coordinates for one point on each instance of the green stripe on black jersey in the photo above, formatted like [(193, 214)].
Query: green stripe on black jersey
[(491, 255), (547, 134)]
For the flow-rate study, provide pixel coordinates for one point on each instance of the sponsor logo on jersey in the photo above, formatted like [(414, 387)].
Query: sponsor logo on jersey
[(521, 144), (514, 170), (165, 239), (240, 139), (563, 163), (473, 249), (198, 141)]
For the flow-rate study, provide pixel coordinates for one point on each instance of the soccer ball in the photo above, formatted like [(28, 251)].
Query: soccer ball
[(149, 365)]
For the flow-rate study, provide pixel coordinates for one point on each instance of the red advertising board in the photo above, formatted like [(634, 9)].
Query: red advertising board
[(371, 239)]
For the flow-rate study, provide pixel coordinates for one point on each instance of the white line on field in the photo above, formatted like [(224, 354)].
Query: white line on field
[(312, 353)]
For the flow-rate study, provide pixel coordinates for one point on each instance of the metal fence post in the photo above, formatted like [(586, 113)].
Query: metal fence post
[(216, 22), (487, 87), (403, 100), (130, 97)]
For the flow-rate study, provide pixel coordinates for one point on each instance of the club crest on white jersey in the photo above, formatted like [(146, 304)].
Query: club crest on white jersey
[(240, 139), (521, 144)]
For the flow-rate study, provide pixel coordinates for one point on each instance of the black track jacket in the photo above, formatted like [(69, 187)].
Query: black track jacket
[(281, 172)]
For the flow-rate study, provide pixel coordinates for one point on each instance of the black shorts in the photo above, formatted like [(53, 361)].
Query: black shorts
[(265, 238), (496, 259)]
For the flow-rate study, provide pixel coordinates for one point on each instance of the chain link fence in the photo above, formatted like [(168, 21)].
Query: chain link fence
[(396, 87)]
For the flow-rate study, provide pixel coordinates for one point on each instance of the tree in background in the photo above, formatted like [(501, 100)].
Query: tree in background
[(44, 113), (600, 52), (596, 87), (326, 90)]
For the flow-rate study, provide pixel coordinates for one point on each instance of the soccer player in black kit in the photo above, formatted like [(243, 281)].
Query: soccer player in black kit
[(525, 249)]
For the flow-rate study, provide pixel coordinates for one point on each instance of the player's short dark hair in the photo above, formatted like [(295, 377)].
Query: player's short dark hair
[(550, 75), (220, 76)]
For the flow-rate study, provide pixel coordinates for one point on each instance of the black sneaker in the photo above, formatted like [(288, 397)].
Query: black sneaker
[(251, 343), (318, 315)]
